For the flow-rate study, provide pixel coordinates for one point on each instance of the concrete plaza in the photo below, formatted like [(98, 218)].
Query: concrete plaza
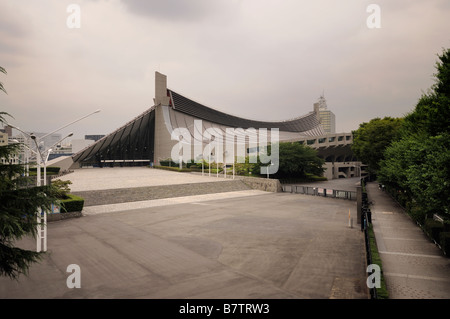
[(243, 244)]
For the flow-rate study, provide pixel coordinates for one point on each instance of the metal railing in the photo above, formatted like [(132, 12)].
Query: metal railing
[(366, 219), (319, 191)]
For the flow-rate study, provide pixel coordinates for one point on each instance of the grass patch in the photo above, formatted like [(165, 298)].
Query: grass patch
[(382, 292)]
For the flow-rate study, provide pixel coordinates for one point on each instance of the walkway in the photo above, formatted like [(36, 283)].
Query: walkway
[(413, 267)]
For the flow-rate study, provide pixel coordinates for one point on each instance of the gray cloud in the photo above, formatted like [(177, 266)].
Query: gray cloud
[(173, 10), (261, 59)]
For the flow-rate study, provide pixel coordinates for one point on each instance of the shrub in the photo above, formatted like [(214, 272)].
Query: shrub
[(168, 162), (444, 240), (61, 188), (175, 169), (433, 228), (51, 170), (72, 204), (416, 213)]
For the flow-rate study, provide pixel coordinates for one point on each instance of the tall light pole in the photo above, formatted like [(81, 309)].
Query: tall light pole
[(42, 137), (225, 164), (42, 216), (49, 150)]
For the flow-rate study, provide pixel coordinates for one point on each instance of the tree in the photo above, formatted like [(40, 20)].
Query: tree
[(417, 165), (18, 207), (371, 139), (295, 161)]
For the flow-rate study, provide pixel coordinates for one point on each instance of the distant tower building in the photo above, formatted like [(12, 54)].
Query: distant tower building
[(326, 117), (3, 138)]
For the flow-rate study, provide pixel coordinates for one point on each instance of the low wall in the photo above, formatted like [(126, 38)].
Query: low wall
[(263, 184), (61, 216)]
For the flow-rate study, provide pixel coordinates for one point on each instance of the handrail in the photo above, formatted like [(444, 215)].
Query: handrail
[(320, 191)]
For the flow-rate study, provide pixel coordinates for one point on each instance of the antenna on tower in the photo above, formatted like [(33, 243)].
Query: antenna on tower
[(322, 101)]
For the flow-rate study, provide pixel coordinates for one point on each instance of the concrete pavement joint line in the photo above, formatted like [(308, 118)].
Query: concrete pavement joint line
[(397, 238), (407, 254), (93, 210), (399, 228), (415, 276)]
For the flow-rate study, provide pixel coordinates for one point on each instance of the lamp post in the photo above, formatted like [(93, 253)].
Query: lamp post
[(225, 164), (48, 151), (268, 169), (234, 160), (42, 235), (201, 157), (179, 152)]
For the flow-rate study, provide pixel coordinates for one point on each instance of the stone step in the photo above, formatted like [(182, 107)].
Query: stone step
[(124, 195)]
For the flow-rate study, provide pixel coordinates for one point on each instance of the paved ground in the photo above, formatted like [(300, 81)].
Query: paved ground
[(237, 244), (413, 266), (113, 178)]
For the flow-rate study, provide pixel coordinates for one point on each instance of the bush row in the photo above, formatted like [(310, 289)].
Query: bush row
[(51, 170), (438, 232), (175, 169)]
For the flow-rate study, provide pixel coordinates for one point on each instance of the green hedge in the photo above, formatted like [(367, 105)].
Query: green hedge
[(444, 240), (175, 169), (168, 162), (416, 213), (433, 228), (51, 170), (72, 204)]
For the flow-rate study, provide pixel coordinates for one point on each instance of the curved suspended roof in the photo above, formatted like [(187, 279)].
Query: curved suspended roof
[(308, 123), (182, 104)]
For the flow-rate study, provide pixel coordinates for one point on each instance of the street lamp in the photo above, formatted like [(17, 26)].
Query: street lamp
[(225, 164), (179, 152), (42, 235), (48, 154), (42, 137), (268, 169)]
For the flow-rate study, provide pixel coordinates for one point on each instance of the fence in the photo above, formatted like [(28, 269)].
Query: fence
[(366, 219), (319, 191)]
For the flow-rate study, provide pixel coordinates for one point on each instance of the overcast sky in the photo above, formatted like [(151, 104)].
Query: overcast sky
[(258, 59)]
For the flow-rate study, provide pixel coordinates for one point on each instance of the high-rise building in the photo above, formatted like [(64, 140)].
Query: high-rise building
[(326, 117), (3, 138)]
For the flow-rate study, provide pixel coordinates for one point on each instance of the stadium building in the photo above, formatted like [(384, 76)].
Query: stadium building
[(178, 128)]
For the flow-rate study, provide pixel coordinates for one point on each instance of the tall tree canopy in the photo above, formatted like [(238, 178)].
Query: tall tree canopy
[(417, 165), (295, 161), (371, 139)]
